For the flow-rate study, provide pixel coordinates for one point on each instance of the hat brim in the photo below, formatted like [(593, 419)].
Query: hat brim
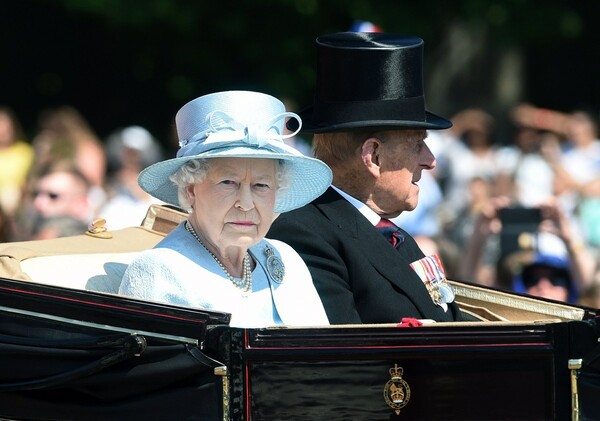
[(432, 122), (309, 177)]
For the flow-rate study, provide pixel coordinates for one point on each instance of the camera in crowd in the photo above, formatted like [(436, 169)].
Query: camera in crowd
[(519, 229)]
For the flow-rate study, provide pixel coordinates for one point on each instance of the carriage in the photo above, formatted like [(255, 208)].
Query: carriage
[(72, 348)]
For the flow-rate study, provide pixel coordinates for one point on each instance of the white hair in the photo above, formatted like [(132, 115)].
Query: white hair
[(195, 171)]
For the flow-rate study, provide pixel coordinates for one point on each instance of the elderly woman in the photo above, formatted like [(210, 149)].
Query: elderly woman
[(234, 174)]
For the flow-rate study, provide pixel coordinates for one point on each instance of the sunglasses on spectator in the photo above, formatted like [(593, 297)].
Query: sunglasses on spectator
[(51, 195), (559, 281)]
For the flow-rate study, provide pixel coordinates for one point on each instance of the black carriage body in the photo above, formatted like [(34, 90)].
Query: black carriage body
[(192, 366), (512, 372), (75, 355)]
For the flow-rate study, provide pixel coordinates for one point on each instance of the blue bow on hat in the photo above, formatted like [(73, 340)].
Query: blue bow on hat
[(239, 124), (223, 130)]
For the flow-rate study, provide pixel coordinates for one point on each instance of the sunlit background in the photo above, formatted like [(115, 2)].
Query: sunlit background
[(123, 62)]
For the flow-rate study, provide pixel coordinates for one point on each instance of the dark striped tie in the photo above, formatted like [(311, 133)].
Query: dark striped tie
[(391, 232)]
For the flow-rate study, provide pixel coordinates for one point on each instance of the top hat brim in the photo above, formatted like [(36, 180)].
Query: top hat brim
[(430, 122)]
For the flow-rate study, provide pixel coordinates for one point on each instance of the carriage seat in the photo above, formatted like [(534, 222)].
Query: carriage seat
[(95, 260)]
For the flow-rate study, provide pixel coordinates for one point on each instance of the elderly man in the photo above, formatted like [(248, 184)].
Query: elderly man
[(370, 124)]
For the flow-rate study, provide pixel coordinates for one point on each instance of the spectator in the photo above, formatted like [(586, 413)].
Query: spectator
[(523, 173), (129, 151), (16, 159), (590, 297), (5, 227), (554, 236), (469, 153), (475, 230), (60, 192), (65, 135), (547, 276), (580, 170)]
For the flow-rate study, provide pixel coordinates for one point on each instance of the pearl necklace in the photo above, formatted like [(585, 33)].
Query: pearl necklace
[(245, 282)]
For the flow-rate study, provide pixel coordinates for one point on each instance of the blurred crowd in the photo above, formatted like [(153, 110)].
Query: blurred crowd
[(65, 177), (521, 214)]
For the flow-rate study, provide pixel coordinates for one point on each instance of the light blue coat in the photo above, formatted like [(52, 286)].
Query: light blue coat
[(180, 271)]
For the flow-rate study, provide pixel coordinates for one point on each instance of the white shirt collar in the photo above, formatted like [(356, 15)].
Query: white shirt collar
[(366, 211)]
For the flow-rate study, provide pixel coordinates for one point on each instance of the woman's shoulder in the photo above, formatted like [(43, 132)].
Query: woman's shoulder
[(155, 257), (175, 247), (180, 241)]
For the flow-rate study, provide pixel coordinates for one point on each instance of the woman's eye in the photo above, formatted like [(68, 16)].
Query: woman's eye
[(262, 186), (228, 182)]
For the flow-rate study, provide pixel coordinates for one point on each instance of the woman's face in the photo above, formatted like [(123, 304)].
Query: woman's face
[(233, 206)]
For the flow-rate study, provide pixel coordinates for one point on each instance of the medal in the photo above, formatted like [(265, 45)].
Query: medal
[(275, 266), (431, 272)]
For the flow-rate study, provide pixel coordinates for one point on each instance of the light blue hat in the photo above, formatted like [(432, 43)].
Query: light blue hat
[(238, 124)]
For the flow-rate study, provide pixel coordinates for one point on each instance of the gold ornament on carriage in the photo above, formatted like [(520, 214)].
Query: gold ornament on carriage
[(396, 391)]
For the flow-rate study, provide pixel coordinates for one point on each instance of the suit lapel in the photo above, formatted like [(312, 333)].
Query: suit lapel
[(391, 264)]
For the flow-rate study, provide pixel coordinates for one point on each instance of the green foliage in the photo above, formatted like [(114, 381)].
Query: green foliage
[(161, 53)]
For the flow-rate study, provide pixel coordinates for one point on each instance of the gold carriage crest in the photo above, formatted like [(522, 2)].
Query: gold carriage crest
[(396, 391)]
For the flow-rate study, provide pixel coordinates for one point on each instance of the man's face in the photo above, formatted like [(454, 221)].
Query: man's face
[(60, 194), (403, 155), (547, 283), (546, 289)]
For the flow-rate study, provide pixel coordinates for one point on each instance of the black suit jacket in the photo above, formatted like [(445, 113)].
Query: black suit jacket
[(360, 277)]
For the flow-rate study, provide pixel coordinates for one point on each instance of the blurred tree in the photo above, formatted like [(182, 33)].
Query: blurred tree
[(123, 62)]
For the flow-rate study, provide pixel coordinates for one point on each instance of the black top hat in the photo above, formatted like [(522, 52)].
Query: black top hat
[(368, 80)]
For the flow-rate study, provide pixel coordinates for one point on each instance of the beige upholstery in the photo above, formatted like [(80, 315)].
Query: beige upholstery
[(93, 271), (88, 261), (493, 305)]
